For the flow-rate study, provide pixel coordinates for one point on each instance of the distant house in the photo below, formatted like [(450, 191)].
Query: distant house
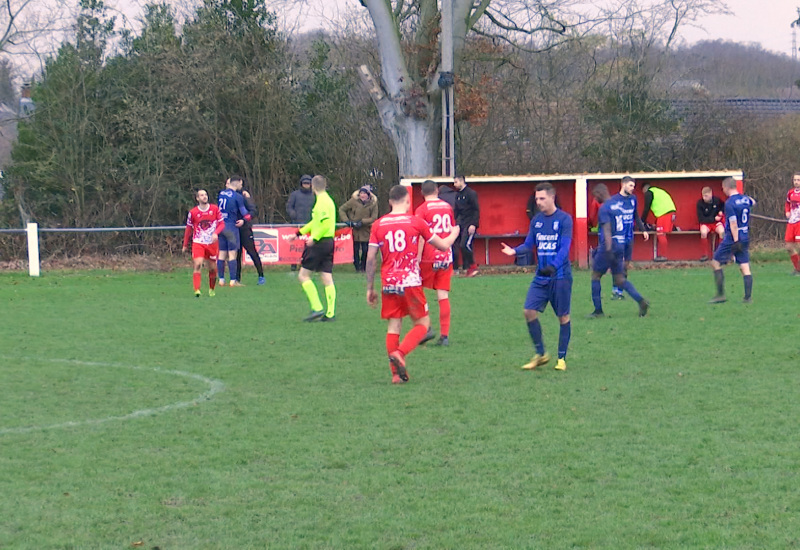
[(26, 106)]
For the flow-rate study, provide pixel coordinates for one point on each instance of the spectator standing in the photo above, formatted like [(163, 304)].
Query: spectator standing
[(468, 215), (660, 203), (711, 217), (792, 211), (359, 213), (300, 203)]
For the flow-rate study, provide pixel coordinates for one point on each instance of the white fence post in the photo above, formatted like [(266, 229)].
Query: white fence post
[(33, 249)]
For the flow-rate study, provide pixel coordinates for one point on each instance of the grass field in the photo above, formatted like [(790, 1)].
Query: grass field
[(134, 415)]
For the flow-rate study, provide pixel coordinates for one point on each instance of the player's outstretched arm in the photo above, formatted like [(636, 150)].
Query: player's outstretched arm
[(507, 250)]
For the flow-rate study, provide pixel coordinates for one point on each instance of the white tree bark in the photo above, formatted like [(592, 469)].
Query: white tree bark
[(407, 109)]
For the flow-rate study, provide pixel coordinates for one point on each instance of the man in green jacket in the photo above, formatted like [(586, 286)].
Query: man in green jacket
[(318, 254)]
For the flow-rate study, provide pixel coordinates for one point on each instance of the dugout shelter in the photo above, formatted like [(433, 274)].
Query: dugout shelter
[(503, 200)]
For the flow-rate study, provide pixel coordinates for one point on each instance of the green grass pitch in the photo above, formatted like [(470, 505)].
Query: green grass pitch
[(134, 415)]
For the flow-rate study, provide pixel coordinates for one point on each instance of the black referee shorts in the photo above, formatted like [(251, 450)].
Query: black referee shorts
[(318, 256)]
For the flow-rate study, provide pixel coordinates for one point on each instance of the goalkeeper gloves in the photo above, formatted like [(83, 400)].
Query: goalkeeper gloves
[(357, 224), (736, 247)]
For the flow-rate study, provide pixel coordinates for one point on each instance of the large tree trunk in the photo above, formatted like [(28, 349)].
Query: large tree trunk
[(416, 144), (407, 110)]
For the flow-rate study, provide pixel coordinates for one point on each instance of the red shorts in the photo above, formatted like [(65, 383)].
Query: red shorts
[(205, 251), (793, 232), (411, 303), (437, 279), (664, 223), (712, 227)]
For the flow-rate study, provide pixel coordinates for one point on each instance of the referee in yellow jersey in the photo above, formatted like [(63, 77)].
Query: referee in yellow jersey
[(318, 254)]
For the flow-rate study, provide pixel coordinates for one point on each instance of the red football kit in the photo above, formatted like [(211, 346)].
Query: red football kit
[(792, 208), (201, 226), (436, 266), (397, 237)]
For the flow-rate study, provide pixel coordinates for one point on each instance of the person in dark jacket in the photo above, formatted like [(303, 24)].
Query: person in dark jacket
[(247, 240), (711, 217), (359, 213), (300, 203), (468, 215)]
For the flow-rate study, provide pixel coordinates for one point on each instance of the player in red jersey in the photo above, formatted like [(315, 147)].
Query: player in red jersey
[(203, 226), (792, 211), (436, 266), (397, 236)]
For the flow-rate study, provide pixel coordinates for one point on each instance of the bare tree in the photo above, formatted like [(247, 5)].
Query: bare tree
[(408, 34)]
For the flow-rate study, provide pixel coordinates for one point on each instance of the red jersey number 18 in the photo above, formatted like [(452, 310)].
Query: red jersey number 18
[(397, 240)]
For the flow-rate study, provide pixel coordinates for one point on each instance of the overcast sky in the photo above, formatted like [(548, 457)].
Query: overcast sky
[(765, 22)]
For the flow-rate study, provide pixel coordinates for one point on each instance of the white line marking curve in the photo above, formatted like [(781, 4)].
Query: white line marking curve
[(214, 387)]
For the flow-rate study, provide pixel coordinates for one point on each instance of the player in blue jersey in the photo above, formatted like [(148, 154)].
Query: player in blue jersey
[(736, 241), (550, 232), (626, 192), (234, 213), (615, 218)]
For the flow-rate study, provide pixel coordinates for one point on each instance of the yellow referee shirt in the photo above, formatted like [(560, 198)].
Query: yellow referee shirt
[(323, 218)]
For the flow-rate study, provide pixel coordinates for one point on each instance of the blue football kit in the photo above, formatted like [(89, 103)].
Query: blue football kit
[(551, 236), (231, 205), (738, 208)]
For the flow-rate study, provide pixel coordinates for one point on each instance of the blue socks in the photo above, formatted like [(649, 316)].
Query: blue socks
[(232, 269), (564, 332), (535, 330), (221, 269), (596, 299), (748, 286), (630, 289)]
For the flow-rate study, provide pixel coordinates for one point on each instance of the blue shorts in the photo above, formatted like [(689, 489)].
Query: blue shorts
[(723, 253), (229, 239), (557, 292), (600, 264)]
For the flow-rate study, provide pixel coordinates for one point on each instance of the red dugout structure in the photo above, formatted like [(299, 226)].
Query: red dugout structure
[(503, 200)]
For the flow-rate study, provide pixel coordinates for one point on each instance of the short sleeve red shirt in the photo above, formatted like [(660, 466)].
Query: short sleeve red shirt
[(439, 217), (204, 224), (793, 205), (397, 236)]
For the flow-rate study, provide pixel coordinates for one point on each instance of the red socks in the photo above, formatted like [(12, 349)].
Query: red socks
[(212, 279), (392, 343), (196, 281), (444, 317), (796, 261), (412, 339)]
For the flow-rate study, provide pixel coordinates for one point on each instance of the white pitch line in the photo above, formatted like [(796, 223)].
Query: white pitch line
[(214, 387)]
